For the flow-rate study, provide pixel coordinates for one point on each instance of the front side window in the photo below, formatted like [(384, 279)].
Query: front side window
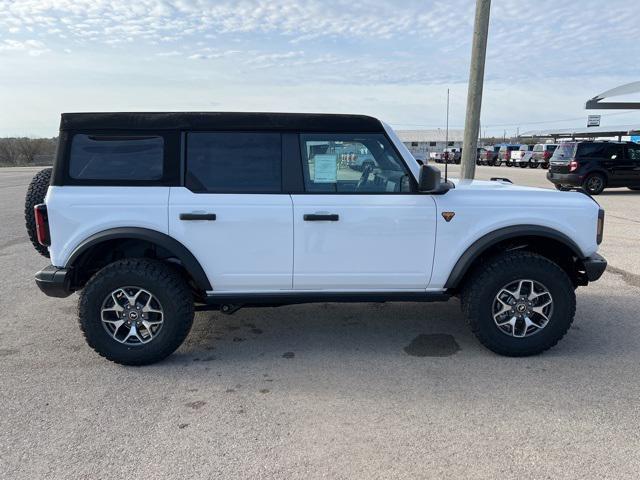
[(634, 152), (358, 163), (234, 162), (122, 158)]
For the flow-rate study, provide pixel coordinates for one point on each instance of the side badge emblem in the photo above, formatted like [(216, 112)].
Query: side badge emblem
[(448, 215)]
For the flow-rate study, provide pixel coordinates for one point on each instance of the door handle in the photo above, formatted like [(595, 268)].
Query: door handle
[(198, 216), (321, 217)]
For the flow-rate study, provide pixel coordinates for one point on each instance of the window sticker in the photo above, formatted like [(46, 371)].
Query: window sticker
[(325, 168)]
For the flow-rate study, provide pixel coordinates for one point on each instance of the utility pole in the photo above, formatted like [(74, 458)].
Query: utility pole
[(474, 94)]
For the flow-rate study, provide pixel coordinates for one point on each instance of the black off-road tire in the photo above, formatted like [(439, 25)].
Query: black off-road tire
[(160, 279), (35, 195), (478, 297)]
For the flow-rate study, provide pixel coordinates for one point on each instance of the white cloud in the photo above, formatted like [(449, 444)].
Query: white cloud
[(32, 47), (335, 48)]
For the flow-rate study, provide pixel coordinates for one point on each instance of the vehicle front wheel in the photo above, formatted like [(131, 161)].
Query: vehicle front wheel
[(136, 311), (519, 304), (594, 184), (534, 164)]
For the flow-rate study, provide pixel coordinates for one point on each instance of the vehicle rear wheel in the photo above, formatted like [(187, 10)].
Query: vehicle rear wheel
[(497, 163), (534, 164), (35, 196), (136, 311), (594, 184), (519, 304), (523, 165), (545, 166)]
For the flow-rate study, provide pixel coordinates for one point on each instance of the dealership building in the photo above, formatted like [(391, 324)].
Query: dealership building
[(421, 142)]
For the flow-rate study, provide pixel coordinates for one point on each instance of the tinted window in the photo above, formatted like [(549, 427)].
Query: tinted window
[(591, 150), (359, 163), (102, 157), (614, 150), (634, 152), (238, 162)]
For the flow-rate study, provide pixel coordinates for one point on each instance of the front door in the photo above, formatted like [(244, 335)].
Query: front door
[(360, 228), (633, 154), (231, 213)]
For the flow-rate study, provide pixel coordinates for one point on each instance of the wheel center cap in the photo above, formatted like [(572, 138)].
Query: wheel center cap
[(521, 308), (133, 315)]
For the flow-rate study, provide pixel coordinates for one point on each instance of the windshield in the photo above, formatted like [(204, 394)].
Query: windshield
[(564, 152)]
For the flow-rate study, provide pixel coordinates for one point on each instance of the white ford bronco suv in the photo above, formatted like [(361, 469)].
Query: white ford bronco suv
[(151, 216)]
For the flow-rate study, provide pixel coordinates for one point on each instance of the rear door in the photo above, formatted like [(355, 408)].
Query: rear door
[(616, 162), (231, 212), (360, 230)]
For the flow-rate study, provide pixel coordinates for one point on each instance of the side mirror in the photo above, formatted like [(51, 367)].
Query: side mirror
[(429, 180)]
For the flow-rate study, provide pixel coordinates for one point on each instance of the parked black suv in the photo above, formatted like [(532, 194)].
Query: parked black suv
[(595, 166)]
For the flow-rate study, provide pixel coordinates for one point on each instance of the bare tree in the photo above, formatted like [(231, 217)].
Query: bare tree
[(9, 151), (29, 148)]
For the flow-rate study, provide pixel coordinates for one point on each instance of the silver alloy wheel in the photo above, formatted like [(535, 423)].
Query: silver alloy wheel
[(522, 308), (132, 315)]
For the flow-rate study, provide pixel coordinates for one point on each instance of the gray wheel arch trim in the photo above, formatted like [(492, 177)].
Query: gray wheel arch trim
[(181, 252), (482, 244)]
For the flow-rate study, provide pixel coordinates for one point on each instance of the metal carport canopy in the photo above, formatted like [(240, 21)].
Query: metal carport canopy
[(584, 132), (596, 102)]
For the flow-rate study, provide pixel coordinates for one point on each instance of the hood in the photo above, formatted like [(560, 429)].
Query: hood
[(494, 185), (489, 191)]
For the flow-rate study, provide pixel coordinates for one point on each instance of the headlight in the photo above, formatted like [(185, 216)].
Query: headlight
[(600, 229)]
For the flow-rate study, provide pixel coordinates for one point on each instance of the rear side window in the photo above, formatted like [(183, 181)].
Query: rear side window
[(107, 157), (234, 162), (591, 150)]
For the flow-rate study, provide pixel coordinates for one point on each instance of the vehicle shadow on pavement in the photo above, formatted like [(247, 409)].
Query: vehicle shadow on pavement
[(385, 329), (388, 330)]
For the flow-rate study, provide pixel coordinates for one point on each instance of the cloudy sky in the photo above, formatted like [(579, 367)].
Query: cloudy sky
[(391, 59)]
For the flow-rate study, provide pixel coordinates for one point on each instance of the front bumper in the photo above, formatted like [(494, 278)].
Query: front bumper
[(572, 179), (594, 266), (54, 281)]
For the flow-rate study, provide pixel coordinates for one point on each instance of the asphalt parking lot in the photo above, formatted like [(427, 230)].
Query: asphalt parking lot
[(325, 390)]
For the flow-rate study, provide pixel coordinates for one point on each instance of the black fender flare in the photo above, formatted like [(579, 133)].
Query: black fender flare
[(170, 244), (485, 242)]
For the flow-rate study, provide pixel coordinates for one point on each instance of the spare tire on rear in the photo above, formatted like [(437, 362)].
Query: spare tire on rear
[(35, 195)]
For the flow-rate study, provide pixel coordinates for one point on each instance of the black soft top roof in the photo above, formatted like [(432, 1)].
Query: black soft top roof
[(300, 122)]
